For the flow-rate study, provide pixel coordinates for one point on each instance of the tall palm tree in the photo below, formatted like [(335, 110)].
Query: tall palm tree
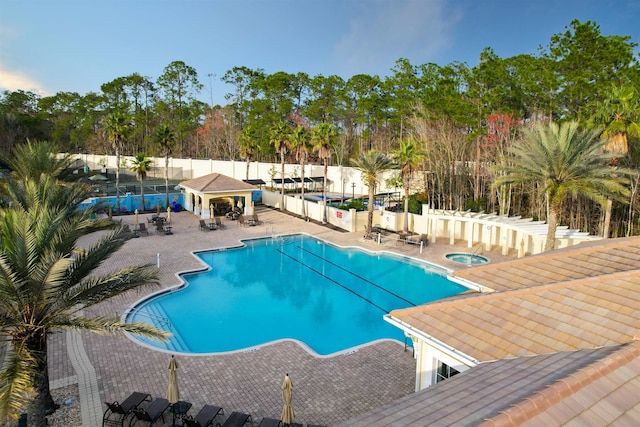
[(279, 136), (141, 165), (300, 139), (248, 146), (408, 157), (323, 139), (117, 129), (165, 139), (372, 164), (45, 283), (561, 160)]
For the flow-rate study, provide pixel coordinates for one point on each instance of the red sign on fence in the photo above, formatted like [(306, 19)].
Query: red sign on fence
[(339, 214)]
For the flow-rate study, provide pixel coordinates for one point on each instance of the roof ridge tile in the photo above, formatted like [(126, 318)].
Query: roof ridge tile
[(541, 400)]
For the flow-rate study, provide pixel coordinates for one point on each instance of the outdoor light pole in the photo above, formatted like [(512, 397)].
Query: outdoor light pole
[(343, 182), (353, 187)]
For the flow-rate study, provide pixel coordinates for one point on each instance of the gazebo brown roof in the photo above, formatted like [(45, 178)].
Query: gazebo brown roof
[(217, 183)]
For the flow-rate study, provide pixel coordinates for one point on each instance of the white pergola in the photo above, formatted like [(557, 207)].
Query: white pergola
[(524, 234)]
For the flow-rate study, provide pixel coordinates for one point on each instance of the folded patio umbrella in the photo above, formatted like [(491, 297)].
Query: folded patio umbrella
[(173, 394), (288, 414)]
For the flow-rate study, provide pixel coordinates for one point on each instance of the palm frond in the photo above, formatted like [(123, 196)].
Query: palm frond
[(101, 325), (16, 386), (97, 289)]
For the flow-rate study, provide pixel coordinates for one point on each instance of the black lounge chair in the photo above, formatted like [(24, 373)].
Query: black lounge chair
[(204, 226), (150, 415), (117, 412), (219, 223), (142, 228), (204, 418), (237, 419), (270, 422)]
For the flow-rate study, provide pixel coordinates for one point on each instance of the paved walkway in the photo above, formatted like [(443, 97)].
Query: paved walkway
[(327, 390)]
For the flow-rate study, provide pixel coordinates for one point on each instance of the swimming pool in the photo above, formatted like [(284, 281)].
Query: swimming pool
[(297, 287)]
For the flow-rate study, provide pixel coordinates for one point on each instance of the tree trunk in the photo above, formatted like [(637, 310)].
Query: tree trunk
[(304, 213), (142, 194), (372, 186), (552, 225), (282, 183), (248, 163), (166, 179), (607, 218), (118, 180), (405, 227), (43, 403), (324, 194)]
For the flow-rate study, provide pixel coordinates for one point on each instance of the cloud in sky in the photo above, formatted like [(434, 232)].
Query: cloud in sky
[(12, 80), (15, 80), (385, 31)]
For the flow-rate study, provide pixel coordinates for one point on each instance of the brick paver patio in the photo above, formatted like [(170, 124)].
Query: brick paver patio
[(327, 390)]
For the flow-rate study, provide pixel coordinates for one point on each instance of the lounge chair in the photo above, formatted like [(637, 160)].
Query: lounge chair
[(142, 228), (270, 422), (243, 221), (417, 239), (204, 418), (150, 415), (204, 226), (219, 223), (117, 412), (256, 220), (237, 419)]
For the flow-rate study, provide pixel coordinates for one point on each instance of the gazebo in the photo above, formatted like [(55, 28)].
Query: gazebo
[(216, 192)]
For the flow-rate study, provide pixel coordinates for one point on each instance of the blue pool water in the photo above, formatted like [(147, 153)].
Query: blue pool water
[(294, 287)]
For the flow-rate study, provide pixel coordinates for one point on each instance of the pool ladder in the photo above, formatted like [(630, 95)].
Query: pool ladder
[(479, 249)]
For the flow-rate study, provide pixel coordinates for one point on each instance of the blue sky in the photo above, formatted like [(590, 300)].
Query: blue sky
[(50, 46)]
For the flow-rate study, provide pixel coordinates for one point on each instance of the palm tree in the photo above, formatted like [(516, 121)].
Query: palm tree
[(407, 157), (279, 135), (33, 159), (117, 128), (248, 146), (561, 160), (45, 283), (141, 165), (372, 164), (619, 113), (323, 139), (165, 139), (300, 145)]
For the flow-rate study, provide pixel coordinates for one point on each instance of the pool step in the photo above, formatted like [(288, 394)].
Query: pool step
[(154, 314)]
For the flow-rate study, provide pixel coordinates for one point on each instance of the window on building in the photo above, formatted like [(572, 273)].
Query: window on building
[(444, 371)]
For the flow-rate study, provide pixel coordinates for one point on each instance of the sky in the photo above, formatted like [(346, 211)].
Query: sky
[(51, 46)]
